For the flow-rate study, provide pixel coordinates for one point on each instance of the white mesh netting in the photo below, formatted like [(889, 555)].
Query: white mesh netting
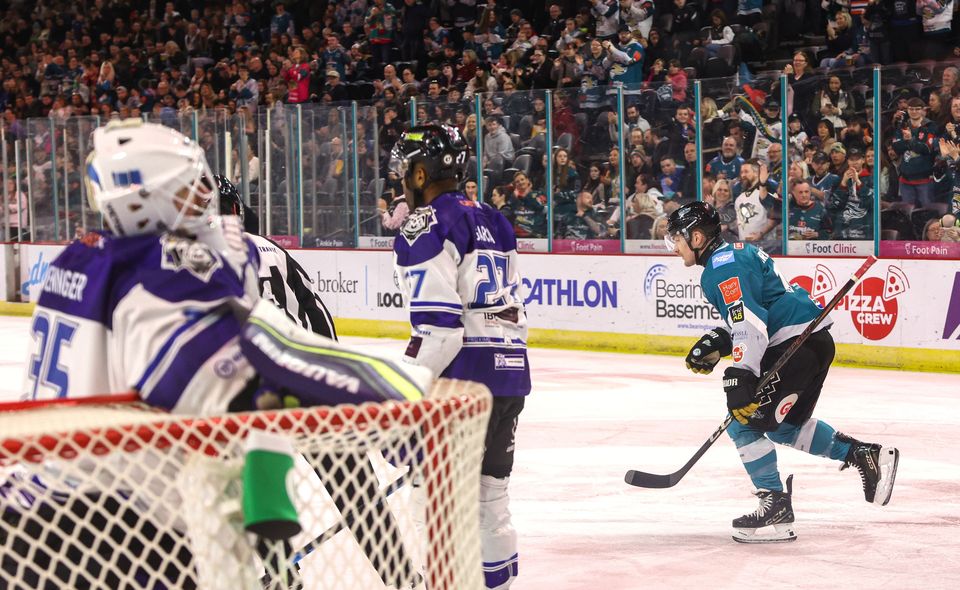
[(110, 495)]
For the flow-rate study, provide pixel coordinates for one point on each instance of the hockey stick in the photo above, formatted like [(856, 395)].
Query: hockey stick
[(652, 480)]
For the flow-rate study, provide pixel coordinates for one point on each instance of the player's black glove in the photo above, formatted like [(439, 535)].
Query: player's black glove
[(740, 385), (708, 351)]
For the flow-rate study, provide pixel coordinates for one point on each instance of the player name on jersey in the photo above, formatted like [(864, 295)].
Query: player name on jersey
[(65, 283)]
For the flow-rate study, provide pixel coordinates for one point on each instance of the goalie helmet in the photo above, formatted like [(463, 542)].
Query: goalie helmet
[(146, 178)]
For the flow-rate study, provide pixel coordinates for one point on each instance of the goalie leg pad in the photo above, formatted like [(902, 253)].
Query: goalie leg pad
[(498, 538)]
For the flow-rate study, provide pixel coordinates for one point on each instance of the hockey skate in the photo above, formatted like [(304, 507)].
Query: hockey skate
[(877, 466), (775, 511)]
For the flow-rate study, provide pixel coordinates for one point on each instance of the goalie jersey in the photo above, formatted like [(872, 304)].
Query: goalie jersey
[(760, 307), (147, 313), (457, 264)]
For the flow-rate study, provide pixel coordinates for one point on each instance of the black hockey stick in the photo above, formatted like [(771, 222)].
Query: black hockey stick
[(652, 480)]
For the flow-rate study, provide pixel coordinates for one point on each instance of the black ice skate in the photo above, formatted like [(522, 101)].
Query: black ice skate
[(877, 466), (775, 511)]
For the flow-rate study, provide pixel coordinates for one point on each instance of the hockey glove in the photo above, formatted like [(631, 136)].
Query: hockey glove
[(740, 385), (708, 351)]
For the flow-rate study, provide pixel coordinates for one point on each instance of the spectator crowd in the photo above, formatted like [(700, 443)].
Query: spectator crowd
[(426, 61)]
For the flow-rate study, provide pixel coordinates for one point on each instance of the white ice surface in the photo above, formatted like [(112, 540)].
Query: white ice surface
[(592, 416)]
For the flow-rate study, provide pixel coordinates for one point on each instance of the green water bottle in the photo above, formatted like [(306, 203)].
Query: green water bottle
[(268, 509)]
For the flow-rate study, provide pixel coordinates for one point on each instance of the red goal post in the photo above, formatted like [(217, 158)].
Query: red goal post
[(106, 492)]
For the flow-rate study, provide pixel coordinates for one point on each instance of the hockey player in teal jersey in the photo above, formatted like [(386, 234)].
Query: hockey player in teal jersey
[(763, 315)]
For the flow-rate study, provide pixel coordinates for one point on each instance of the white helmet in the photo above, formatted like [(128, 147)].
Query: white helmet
[(146, 178)]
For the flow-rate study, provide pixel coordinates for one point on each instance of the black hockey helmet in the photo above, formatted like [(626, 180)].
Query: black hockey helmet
[(440, 149), (230, 201), (697, 215)]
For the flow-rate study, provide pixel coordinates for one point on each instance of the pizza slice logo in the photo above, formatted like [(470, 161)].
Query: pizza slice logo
[(874, 306), (730, 290), (823, 281), (895, 284), (738, 352)]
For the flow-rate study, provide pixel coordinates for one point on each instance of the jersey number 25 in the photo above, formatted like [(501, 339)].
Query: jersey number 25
[(44, 367)]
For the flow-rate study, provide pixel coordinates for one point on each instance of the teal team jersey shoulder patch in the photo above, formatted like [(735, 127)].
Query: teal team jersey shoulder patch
[(721, 258)]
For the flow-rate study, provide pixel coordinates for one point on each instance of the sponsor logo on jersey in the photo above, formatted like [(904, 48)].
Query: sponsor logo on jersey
[(92, 239), (418, 223), (784, 407), (874, 306), (736, 312), (739, 351), (738, 246), (183, 254), (721, 258), (508, 362), (730, 290), (951, 327)]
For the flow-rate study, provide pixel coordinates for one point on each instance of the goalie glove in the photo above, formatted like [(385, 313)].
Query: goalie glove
[(740, 385), (708, 351)]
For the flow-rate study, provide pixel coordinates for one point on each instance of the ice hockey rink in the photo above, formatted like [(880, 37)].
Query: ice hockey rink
[(594, 415)]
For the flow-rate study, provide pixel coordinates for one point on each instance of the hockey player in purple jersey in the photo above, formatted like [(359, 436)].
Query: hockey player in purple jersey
[(167, 304), (457, 264)]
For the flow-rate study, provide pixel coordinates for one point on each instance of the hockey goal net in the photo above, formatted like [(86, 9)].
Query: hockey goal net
[(109, 493)]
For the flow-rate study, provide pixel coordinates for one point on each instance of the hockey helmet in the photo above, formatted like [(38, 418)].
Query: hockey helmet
[(230, 201), (696, 215), (146, 178), (440, 149)]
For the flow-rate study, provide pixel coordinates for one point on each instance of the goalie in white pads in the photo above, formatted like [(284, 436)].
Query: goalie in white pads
[(764, 314), (457, 263), (167, 305)]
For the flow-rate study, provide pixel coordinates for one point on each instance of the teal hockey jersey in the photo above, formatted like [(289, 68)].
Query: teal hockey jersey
[(760, 307)]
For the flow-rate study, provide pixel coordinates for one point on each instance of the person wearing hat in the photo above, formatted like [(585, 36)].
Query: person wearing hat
[(914, 141), (334, 90), (823, 180), (838, 158), (628, 55), (796, 136), (851, 202)]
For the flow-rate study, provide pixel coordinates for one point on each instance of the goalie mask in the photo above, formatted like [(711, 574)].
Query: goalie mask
[(439, 149), (146, 178)]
